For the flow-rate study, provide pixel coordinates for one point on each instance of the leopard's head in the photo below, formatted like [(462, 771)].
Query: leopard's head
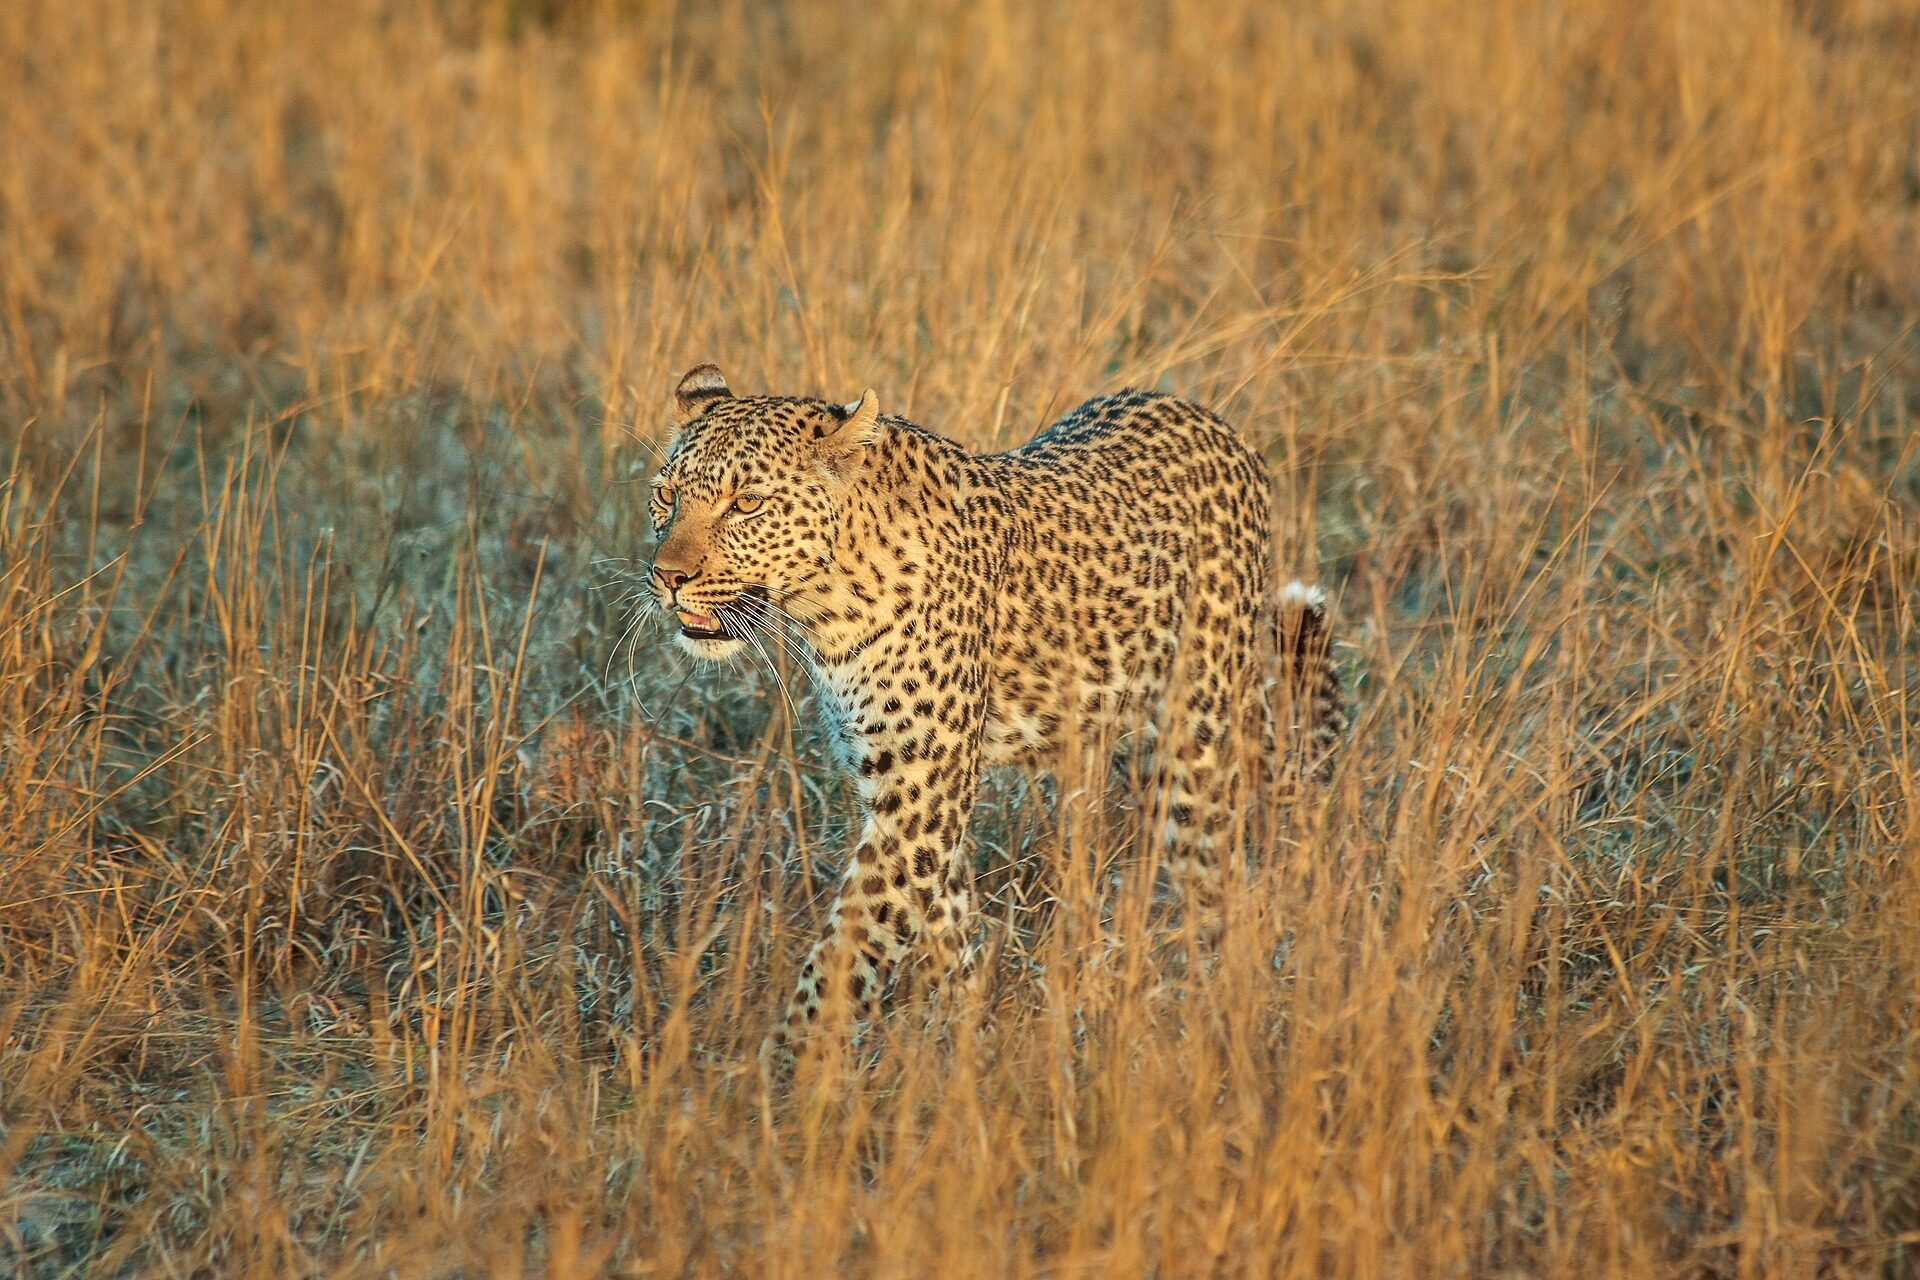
[(747, 507)]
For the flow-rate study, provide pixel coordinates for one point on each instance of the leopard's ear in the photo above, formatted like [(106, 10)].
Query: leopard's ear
[(851, 426), (700, 387)]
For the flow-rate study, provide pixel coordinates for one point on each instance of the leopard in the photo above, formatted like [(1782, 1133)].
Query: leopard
[(1108, 580)]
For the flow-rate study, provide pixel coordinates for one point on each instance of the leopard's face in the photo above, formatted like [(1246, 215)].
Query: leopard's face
[(746, 511)]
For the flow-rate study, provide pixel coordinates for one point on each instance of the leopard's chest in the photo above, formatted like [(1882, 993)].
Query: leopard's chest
[(834, 704)]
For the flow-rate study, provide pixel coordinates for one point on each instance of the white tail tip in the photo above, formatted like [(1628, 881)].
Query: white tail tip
[(1299, 593)]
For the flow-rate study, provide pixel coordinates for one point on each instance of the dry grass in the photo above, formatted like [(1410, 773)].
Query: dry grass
[(367, 909)]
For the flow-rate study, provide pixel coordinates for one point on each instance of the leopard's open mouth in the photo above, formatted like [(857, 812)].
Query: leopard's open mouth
[(695, 625)]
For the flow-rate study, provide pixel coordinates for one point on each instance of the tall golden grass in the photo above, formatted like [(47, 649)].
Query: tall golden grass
[(370, 907)]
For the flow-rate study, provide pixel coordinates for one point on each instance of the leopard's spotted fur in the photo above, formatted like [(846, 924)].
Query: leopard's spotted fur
[(960, 611)]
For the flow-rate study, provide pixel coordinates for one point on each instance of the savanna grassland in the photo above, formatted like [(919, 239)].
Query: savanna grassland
[(381, 895)]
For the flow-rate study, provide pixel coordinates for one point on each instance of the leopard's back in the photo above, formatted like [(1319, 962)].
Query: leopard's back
[(1132, 522)]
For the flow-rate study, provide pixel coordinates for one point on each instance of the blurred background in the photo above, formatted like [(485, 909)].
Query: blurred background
[(380, 895)]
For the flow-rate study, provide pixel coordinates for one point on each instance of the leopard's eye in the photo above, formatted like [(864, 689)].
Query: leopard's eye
[(660, 510), (748, 503)]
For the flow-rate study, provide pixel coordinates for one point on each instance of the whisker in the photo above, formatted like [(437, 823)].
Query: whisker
[(686, 670), (793, 641), (796, 635), (804, 643), (628, 635), (769, 611), (655, 448), (637, 587), (751, 634), (799, 627), (759, 612)]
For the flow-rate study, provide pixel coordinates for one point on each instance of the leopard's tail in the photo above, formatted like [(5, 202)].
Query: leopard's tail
[(1317, 701)]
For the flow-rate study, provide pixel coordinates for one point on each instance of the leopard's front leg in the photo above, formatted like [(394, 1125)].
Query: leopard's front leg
[(870, 928), (908, 887)]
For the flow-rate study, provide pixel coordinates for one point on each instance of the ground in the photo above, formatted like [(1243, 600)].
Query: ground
[(372, 903)]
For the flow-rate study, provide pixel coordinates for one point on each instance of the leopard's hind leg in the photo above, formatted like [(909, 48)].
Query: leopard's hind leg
[(1199, 767)]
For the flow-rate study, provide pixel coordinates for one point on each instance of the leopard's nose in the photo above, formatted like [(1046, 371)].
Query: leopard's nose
[(673, 579)]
